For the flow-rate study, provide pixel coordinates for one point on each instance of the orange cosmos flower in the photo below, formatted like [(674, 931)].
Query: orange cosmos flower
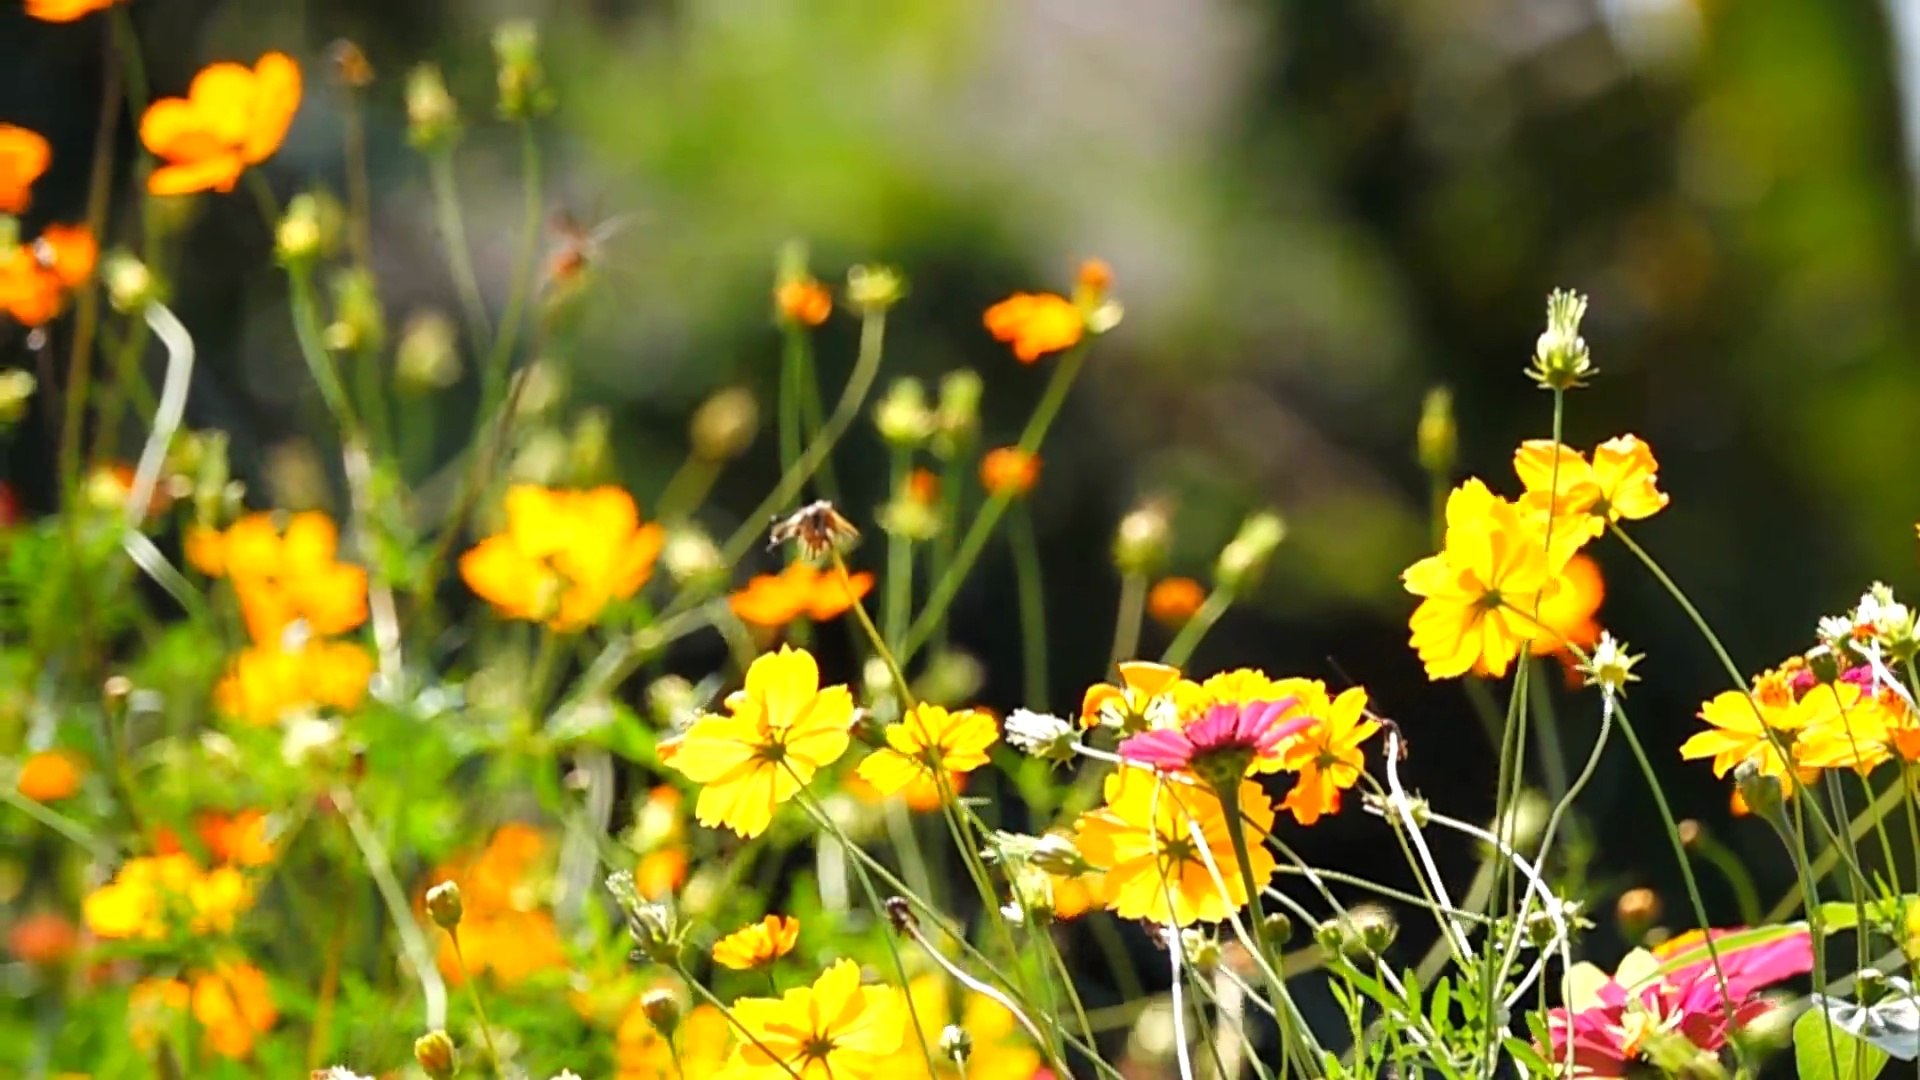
[(241, 839), (564, 556), (234, 1006), (756, 945), (1009, 472), (23, 157), (1144, 840), (798, 591), (700, 1045), (923, 487), (1172, 601), (51, 775), (284, 577), (59, 11), (1568, 613), (1479, 593), (1328, 757), (803, 302), (1036, 324), (43, 938), (36, 277), (233, 116), (268, 681)]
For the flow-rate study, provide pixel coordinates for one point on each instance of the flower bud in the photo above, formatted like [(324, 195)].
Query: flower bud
[(1635, 912), (1437, 438), (130, 286), (590, 452), (723, 427), (1057, 854), (1691, 833), (16, 389), (1202, 950), (693, 560), (910, 519), (1763, 794), (955, 1044), (1279, 929), (902, 416), (1560, 358), (671, 699), (428, 356), (1141, 542), (433, 118), (871, 290), (524, 93), (662, 1010), (956, 419), (1245, 557), (1525, 820), (359, 321), (444, 906), (434, 1052)]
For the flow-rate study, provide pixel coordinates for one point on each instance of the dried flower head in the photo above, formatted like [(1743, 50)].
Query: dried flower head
[(817, 528)]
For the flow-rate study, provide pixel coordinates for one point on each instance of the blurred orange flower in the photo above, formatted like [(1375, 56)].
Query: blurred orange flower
[(51, 775), (268, 681), (1568, 612), (1172, 601), (798, 591), (43, 938), (241, 839), (804, 301), (233, 1004), (284, 577), (1036, 324), (923, 487), (23, 157), (699, 1047), (504, 928), (1009, 472), (233, 116), (59, 11), (564, 555), (150, 894), (154, 1006), (35, 277)]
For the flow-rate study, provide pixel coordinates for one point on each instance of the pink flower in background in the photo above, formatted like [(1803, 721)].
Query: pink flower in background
[(1255, 730), (1613, 1018)]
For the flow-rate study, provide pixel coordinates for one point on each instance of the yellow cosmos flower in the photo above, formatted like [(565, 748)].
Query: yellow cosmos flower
[(782, 728), (1142, 701), (1741, 722), (1621, 482), (930, 739), (1494, 569), (756, 945), (1327, 756), (1143, 839), (1001, 1051), (835, 1029), (151, 895), (699, 1047), (1863, 731), (564, 556)]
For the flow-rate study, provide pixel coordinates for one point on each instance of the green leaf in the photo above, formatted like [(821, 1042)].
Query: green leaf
[(1527, 1057), (1836, 916), (1442, 1006), (1841, 1058)]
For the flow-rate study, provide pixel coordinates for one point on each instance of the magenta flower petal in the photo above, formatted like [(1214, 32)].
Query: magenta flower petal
[(1166, 749)]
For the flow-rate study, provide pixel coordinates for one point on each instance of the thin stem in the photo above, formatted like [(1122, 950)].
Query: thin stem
[(494, 379), (873, 330), (412, 942), (873, 634), (1033, 610), (58, 822), (948, 585), (473, 995), (793, 341), (453, 231), (306, 330), (1126, 625), (899, 599), (1190, 635), (87, 302)]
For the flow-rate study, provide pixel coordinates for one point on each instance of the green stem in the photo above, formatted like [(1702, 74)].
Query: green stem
[(58, 822), (453, 232), (1294, 1032), (866, 366), (948, 585), (1190, 635), (306, 330), (789, 403), (494, 379), (1126, 625), (899, 599), (473, 995), (1033, 611)]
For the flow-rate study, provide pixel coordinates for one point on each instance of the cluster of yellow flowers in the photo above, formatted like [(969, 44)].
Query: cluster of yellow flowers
[(1503, 562)]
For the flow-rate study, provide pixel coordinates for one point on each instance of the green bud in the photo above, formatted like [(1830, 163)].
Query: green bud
[(1437, 438), (433, 118), (871, 290), (724, 425), (1140, 544), (1057, 854), (428, 356), (1279, 929), (524, 93), (16, 389), (662, 1010), (434, 1051), (902, 416), (693, 560), (130, 285), (956, 419), (955, 1044), (359, 321), (590, 458), (1245, 557)]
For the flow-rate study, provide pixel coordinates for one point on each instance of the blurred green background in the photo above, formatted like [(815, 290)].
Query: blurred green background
[(1315, 211)]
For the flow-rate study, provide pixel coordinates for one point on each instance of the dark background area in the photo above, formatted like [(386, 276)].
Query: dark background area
[(1315, 212)]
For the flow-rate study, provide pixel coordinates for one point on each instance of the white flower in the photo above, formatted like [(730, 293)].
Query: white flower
[(1892, 1023), (307, 738), (1835, 629), (1609, 666), (1040, 735)]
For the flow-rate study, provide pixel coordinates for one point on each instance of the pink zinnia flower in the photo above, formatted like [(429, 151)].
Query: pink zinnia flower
[(1231, 736), (1683, 1004)]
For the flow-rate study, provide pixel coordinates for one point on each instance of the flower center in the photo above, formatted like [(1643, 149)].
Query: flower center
[(816, 1048)]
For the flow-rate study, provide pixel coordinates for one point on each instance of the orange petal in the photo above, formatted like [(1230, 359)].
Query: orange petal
[(277, 98)]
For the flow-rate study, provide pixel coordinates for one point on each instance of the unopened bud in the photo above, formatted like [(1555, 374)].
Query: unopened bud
[(359, 321), (590, 452), (956, 418), (433, 118), (723, 427), (1870, 985), (1245, 557), (1057, 854), (1140, 544), (1437, 438), (444, 906), (434, 1052), (428, 356), (671, 699), (955, 1044), (1763, 794), (662, 1010), (16, 389), (129, 282), (902, 416), (1279, 929), (1524, 821), (1691, 833), (524, 93), (873, 289), (693, 560), (1202, 949), (1636, 911)]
